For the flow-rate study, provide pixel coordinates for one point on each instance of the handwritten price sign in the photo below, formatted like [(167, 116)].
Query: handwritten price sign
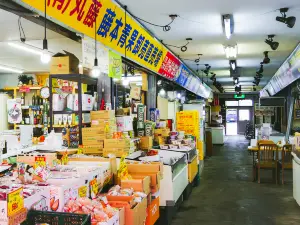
[(94, 186), (40, 161), (82, 191), (15, 201)]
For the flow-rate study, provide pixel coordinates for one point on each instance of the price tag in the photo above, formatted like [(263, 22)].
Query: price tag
[(24, 89), (40, 161), (15, 201), (82, 191), (94, 186)]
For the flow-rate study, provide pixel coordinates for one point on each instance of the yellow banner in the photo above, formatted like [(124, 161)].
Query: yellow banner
[(111, 28), (15, 202)]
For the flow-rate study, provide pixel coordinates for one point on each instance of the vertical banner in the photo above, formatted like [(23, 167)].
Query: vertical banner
[(115, 65)]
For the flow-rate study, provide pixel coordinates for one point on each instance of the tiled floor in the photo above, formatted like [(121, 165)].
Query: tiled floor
[(227, 195)]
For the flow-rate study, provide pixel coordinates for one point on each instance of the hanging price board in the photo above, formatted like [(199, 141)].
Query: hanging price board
[(94, 186), (15, 201), (82, 191), (39, 161)]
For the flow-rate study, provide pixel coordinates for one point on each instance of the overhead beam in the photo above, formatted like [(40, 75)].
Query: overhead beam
[(10, 6)]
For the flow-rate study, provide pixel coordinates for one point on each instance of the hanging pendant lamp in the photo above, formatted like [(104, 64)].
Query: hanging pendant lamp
[(96, 69), (45, 56)]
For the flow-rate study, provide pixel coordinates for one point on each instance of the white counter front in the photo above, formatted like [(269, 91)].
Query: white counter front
[(217, 135)]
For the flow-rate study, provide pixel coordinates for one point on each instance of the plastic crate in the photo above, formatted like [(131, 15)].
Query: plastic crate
[(56, 218)]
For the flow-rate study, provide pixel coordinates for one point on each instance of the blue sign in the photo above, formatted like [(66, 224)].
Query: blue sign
[(183, 76)]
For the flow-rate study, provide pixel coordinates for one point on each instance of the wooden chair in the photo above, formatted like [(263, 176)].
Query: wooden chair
[(286, 159), (267, 158)]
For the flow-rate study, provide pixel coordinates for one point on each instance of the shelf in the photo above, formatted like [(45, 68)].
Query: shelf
[(17, 88), (37, 126), (69, 112), (75, 78)]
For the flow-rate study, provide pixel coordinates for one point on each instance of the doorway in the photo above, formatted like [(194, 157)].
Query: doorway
[(244, 117), (231, 121)]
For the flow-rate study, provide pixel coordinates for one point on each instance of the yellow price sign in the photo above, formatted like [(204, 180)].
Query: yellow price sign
[(40, 161), (94, 186), (82, 191), (15, 201)]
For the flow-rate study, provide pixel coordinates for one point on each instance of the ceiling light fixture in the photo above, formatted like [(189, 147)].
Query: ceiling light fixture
[(165, 27), (10, 69), (162, 92), (289, 21), (228, 25), (266, 59), (231, 51), (273, 44), (45, 56), (232, 64), (261, 68), (96, 69), (26, 48), (183, 48)]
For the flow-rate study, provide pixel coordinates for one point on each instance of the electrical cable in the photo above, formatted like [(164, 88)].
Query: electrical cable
[(21, 30), (165, 27)]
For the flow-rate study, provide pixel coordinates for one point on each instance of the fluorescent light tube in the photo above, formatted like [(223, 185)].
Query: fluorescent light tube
[(26, 48), (227, 27), (10, 69)]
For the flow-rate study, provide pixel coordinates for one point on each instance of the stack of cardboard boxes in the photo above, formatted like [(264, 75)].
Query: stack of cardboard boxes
[(103, 126), (117, 147)]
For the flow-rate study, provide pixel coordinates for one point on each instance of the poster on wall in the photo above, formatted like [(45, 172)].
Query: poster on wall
[(115, 65), (14, 111), (88, 55)]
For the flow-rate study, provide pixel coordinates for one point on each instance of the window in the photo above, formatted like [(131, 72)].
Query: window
[(247, 102), (232, 103), (244, 114)]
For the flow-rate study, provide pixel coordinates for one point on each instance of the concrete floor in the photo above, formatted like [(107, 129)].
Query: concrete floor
[(227, 195)]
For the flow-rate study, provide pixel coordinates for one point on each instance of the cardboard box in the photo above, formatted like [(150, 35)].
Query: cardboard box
[(154, 177), (92, 149), (118, 152), (92, 131), (139, 183), (115, 143), (94, 141), (101, 123), (39, 201), (122, 216), (102, 114), (146, 143), (64, 64), (153, 212), (124, 123), (133, 216), (31, 158), (152, 167)]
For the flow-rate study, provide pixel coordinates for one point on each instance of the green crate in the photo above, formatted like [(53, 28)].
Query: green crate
[(56, 218)]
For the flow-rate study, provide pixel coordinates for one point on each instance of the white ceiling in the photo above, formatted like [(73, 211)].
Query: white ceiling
[(201, 20), (29, 62)]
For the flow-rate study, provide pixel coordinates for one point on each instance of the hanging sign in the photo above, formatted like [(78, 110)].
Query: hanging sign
[(169, 67), (115, 65), (24, 89), (183, 75), (112, 31), (88, 55), (286, 74)]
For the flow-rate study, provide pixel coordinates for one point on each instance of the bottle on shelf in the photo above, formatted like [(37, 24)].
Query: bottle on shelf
[(33, 100), (35, 118), (40, 118), (23, 99), (38, 98), (27, 119)]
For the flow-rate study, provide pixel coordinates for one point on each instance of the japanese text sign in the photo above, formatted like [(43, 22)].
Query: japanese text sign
[(183, 76), (15, 201), (112, 31), (170, 66)]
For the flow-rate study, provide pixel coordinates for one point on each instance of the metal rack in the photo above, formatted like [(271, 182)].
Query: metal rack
[(80, 79)]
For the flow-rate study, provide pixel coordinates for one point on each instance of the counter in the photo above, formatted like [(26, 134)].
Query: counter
[(217, 134), (296, 176)]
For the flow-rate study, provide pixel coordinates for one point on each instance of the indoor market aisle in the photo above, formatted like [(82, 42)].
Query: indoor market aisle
[(227, 196)]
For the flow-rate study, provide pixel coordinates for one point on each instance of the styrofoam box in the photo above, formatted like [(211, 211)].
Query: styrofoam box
[(87, 102), (124, 123), (58, 103)]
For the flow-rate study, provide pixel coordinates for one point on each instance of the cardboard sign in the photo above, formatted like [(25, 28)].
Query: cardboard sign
[(82, 191), (15, 201), (40, 161), (94, 186)]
